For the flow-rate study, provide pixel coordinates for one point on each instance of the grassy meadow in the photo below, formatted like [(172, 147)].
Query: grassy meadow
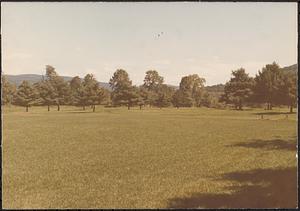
[(150, 158)]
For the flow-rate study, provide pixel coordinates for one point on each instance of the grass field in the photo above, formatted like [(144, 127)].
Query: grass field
[(152, 158)]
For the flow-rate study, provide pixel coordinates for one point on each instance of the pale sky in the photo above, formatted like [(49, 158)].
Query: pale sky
[(208, 39)]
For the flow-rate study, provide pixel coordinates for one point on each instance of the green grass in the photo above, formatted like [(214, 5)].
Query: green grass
[(119, 158)]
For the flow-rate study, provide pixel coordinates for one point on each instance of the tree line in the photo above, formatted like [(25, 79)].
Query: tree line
[(271, 86)]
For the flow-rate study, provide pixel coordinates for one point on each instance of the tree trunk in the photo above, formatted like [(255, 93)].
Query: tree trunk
[(58, 107), (48, 107), (94, 107), (26, 108), (83, 108), (271, 106), (291, 109), (177, 107), (240, 105), (128, 107), (140, 107)]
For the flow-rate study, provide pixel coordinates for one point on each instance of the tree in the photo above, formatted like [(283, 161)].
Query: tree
[(26, 95), (288, 90), (164, 94), (75, 86), (75, 83), (106, 97), (8, 91), (152, 83), (94, 94), (152, 80), (46, 93), (190, 91), (80, 97), (123, 92), (268, 82), (144, 96), (239, 89), (208, 100), (62, 90), (178, 99)]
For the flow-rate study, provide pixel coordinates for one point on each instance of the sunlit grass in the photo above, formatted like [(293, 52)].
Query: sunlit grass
[(119, 158)]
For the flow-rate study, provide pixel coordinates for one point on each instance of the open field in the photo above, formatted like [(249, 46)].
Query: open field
[(152, 158)]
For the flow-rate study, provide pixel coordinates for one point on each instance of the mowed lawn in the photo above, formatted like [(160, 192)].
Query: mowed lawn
[(151, 158)]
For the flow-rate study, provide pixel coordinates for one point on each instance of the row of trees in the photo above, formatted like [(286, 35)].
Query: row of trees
[(53, 90), (271, 85)]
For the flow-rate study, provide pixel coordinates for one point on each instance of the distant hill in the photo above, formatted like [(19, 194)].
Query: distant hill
[(33, 78), (215, 88), (292, 68)]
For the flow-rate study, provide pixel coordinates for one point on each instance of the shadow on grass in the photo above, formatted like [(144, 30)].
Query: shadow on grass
[(272, 113), (80, 112), (275, 144), (259, 188)]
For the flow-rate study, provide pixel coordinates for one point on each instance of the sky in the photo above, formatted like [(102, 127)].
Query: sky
[(175, 38)]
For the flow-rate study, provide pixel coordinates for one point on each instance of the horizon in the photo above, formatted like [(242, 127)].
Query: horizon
[(177, 85), (174, 38)]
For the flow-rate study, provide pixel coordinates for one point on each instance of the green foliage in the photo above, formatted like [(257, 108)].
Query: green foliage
[(123, 92), (8, 91), (26, 95), (268, 83), (239, 89), (151, 87), (53, 90), (288, 90), (152, 80), (87, 92), (208, 100), (46, 93), (119, 80), (164, 96), (273, 85), (190, 91), (92, 90), (182, 99)]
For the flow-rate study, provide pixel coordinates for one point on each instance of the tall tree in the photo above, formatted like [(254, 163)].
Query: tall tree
[(268, 82), (8, 91), (152, 80), (179, 98), (152, 84), (75, 83), (191, 88), (46, 93), (239, 88), (123, 92), (288, 90), (94, 94), (61, 88), (26, 95)]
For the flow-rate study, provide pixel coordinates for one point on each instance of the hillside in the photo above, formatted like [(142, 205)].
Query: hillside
[(292, 69), (33, 78)]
